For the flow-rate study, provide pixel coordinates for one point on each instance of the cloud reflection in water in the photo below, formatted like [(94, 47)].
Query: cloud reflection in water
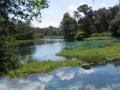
[(99, 78)]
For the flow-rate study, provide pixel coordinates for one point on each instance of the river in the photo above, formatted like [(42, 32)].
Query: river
[(47, 49), (105, 77), (102, 77)]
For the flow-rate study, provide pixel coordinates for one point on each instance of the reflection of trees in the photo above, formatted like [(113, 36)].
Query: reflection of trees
[(115, 62), (26, 49), (49, 41)]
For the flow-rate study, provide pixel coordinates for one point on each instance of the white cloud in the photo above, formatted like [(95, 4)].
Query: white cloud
[(65, 76), (87, 71), (46, 78), (71, 9), (90, 87), (21, 85), (73, 88)]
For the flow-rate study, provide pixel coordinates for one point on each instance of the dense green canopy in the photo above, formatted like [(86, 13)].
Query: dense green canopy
[(12, 15), (15, 10)]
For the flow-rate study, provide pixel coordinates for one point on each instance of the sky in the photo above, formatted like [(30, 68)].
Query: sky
[(54, 14)]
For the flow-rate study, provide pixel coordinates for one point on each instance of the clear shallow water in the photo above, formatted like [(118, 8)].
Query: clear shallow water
[(105, 77), (46, 49)]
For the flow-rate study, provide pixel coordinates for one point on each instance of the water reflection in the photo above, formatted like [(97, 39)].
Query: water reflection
[(105, 77), (26, 49), (46, 49)]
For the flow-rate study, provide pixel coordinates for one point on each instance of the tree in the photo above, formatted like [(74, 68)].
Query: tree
[(84, 9), (85, 20), (102, 20), (115, 26), (69, 26), (80, 36), (96, 21), (14, 10), (11, 12)]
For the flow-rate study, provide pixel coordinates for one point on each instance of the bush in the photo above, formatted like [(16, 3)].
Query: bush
[(115, 26), (104, 34), (38, 35), (25, 36), (80, 36), (94, 35)]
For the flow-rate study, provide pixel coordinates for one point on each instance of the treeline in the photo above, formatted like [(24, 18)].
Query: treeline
[(49, 31), (87, 22), (24, 31)]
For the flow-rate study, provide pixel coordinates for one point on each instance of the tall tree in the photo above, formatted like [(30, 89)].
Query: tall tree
[(115, 26), (86, 19), (69, 26)]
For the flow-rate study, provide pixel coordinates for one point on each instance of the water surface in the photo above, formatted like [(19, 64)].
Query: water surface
[(105, 77), (46, 49)]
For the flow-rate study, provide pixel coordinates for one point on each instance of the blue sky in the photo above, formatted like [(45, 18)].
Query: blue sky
[(53, 15)]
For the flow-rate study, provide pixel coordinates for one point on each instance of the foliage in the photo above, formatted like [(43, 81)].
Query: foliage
[(8, 58), (80, 36), (49, 31), (98, 38), (17, 10), (12, 12), (69, 27), (98, 21), (104, 34), (115, 26)]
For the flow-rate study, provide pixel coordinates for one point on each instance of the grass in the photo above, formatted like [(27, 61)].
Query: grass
[(94, 55), (36, 67), (98, 38), (17, 42)]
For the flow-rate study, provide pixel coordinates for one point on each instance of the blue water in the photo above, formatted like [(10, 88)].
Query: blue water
[(46, 49), (106, 77)]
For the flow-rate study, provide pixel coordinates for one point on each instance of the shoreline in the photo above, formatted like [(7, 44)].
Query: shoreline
[(54, 66), (96, 58)]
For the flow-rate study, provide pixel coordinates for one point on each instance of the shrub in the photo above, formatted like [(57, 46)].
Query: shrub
[(80, 36), (94, 35), (104, 34)]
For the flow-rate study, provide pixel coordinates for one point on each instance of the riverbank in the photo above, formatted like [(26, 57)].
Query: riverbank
[(84, 57), (35, 67), (17, 42), (95, 55), (99, 38)]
